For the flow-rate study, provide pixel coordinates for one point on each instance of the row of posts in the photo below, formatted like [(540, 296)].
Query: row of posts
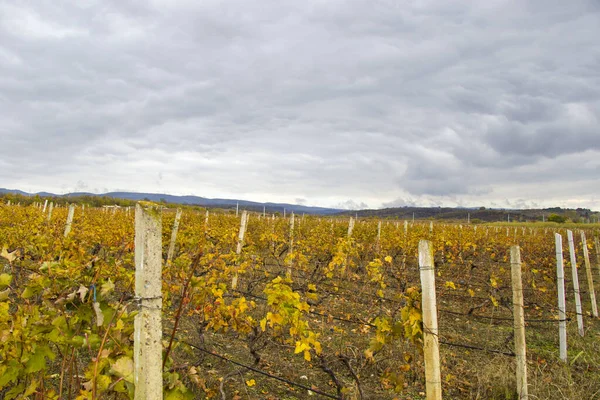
[(429, 307)]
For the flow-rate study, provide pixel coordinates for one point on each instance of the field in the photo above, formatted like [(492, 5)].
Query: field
[(317, 308)]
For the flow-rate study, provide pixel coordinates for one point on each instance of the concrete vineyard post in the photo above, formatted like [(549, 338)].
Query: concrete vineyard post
[(431, 346), (519, 322), (405, 227), (590, 278), (575, 282), (242, 232), (206, 222), (45, 205), (171, 250), (50, 208), (240, 244), (291, 252), (147, 347), (378, 244), (70, 215), (597, 248), (431, 227), (562, 310), (350, 226), (237, 209)]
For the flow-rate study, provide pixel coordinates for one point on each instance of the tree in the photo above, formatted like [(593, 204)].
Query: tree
[(557, 218)]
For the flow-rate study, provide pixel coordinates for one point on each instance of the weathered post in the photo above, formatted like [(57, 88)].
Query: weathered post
[(519, 322), (50, 208), (147, 347), (575, 282), (562, 310), (70, 215), (240, 244), (45, 205), (171, 250), (350, 226), (597, 248), (291, 251), (588, 271), (378, 244), (431, 347)]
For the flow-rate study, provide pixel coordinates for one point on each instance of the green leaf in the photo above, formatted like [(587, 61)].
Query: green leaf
[(8, 373), (5, 280), (28, 292), (37, 361), (178, 394), (14, 392)]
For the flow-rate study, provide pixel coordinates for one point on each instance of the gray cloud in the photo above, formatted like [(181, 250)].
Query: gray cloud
[(385, 102)]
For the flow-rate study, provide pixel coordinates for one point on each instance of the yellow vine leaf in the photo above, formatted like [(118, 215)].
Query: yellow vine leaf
[(494, 301), (450, 285)]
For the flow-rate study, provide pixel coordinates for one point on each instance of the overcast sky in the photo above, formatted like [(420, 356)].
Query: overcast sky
[(334, 103)]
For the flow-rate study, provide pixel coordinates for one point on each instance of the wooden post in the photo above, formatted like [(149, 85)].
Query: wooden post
[(50, 208), (519, 322), (562, 310), (69, 219), (171, 250), (240, 244), (431, 347), (147, 347), (588, 271), (575, 282)]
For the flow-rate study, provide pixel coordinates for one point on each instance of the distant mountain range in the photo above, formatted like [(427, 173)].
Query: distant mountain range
[(480, 214), (192, 200)]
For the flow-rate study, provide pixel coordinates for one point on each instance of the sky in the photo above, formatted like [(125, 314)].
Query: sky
[(352, 104)]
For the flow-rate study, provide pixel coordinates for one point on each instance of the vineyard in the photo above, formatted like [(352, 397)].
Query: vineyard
[(262, 307)]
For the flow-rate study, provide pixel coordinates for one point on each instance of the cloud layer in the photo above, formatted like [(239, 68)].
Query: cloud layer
[(351, 103)]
